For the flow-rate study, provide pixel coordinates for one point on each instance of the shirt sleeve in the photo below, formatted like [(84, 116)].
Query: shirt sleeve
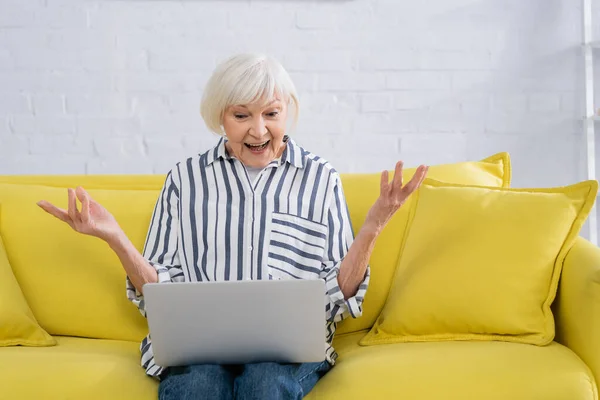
[(161, 249), (340, 237)]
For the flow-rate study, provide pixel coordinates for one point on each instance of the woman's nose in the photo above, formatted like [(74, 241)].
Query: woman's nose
[(259, 128)]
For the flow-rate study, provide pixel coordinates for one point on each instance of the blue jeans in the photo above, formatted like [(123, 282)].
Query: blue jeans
[(260, 381)]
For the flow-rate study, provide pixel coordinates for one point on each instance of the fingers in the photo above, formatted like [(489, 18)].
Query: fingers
[(384, 181), (73, 211), (85, 202), (55, 211), (416, 180), (424, 175), (397, 182), (72, 214)]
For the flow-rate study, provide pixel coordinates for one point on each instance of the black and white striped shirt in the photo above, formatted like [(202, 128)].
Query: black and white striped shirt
[(211, 223)]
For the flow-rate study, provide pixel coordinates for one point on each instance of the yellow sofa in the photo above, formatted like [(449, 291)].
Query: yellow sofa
[(75, 287)]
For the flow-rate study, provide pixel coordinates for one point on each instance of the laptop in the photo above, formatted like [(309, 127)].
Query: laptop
[(236, 322)]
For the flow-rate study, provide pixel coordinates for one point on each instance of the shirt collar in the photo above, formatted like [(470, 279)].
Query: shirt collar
[(292, 154)]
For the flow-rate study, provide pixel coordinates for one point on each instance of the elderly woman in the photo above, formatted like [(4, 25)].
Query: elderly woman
[(251, 208)]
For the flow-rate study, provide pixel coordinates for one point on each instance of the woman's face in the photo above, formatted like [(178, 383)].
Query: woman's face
[(255, 133)]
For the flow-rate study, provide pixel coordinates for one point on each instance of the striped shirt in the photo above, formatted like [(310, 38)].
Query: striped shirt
[(212, 223)]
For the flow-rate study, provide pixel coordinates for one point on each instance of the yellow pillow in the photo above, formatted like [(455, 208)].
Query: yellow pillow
[(17, 323), (482, 263), (362, 190), (75, 284)]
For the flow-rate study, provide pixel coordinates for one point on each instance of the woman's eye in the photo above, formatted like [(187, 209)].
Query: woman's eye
[(273, 114), (240, 116)]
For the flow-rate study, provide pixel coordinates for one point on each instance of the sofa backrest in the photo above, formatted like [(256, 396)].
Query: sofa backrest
[(75, 284)]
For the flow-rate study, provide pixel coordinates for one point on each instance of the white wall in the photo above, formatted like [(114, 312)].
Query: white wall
[(113, 86)]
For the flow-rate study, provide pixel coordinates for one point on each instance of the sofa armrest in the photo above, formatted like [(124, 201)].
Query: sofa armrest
[(577, 307)]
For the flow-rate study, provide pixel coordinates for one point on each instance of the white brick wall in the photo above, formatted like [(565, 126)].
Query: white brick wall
[(114, 86)]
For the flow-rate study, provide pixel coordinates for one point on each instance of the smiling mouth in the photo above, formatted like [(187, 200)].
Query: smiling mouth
[(257, 147)]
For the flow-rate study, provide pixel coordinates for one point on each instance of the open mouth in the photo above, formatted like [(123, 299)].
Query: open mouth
[(258, 147)]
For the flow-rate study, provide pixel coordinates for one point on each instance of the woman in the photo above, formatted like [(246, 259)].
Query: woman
[(256, 206)]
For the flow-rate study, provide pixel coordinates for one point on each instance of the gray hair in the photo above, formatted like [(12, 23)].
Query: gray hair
[(245, 79)]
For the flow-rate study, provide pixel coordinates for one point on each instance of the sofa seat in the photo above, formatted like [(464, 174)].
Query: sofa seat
[(455, 370), (76, 368), (80, 368)]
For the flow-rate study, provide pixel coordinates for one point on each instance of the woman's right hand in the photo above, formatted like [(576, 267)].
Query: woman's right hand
[(93, 219)]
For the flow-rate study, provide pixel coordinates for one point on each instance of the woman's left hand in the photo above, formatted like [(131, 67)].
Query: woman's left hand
[(393, 195)]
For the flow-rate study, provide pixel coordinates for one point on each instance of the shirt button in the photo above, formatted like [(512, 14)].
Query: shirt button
[(249, 248)]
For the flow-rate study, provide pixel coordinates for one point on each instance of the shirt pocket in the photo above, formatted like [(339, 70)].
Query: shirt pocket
[(296, 247)]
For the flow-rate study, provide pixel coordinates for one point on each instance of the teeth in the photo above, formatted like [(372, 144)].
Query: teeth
[(258, 145)]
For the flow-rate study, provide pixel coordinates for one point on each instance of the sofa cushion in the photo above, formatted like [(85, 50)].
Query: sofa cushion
[(109, 369), (18, 325), (482, 263), (74, 284), (76, 368), (455, 370), (361, 192)]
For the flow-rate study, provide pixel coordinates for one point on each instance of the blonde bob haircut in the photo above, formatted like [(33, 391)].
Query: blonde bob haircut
[(246, 79)]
